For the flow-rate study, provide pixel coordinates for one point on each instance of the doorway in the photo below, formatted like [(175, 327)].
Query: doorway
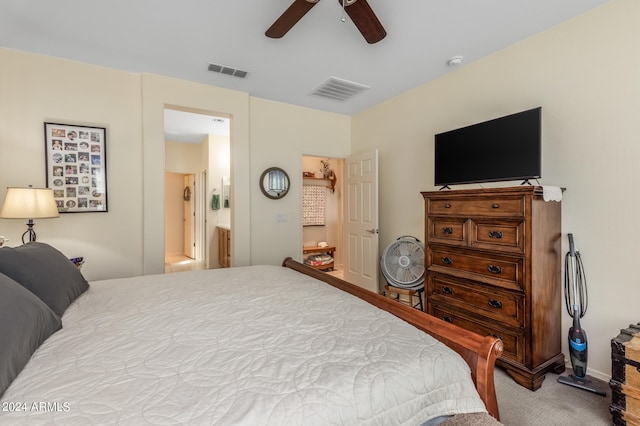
[(179, 231), (351, 218), (197, 156), (322, 213)]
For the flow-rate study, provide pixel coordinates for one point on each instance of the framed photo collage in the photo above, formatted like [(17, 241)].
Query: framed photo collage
[(76, 161)]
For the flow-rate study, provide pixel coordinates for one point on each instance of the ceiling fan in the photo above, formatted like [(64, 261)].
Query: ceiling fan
[(358, 10)]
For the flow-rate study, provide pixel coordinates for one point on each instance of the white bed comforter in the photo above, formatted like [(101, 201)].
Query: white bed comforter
[(259, 345)]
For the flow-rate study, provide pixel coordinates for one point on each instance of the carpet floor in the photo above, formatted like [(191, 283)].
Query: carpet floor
[(553, 404)]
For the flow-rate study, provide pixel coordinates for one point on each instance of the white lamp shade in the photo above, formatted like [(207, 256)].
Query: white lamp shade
[(29, 203)]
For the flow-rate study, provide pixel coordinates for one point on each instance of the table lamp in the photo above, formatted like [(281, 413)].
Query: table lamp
[(29, 203)]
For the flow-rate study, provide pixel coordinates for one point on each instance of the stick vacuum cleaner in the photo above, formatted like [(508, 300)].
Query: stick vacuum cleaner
[(576, 301)]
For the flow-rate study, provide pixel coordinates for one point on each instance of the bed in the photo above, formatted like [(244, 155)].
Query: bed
[(256, 345)]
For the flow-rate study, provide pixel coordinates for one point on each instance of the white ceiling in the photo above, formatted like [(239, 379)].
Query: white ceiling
[(179, 38), (180, 126)]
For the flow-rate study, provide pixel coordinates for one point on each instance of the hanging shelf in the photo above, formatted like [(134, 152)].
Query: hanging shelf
[(331, 182)]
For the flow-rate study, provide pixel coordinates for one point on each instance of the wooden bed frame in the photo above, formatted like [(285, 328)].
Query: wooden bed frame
[(478, 351)]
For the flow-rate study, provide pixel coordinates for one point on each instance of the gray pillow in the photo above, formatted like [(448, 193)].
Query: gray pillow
[(44, 271), (25, 322)]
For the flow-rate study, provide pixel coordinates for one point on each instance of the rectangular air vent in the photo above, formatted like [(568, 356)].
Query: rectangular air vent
[(338, 89), (221, 69)]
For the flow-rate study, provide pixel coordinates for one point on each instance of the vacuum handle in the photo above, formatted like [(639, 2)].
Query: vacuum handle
[(572, 250)]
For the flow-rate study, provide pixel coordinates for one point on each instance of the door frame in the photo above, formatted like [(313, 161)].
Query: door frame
[(190, 238)]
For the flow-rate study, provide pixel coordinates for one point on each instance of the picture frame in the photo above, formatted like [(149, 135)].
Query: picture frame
[(76, 167)]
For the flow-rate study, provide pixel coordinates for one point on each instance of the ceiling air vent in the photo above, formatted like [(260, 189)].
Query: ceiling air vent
[(338, 89), (221, 69)]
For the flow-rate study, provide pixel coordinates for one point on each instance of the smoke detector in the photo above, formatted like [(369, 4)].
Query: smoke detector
[(455, 61)]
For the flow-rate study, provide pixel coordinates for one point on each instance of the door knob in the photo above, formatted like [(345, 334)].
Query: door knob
[(372, 231)]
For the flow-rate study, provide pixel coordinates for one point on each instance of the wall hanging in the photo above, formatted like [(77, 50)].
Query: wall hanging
[(76, 167), (274, 183)]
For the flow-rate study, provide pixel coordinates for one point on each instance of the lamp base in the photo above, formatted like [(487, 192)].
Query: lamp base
[(29, 231)]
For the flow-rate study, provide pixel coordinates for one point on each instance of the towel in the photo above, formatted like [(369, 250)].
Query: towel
[(215, 202), (313, 205), (551, 193)]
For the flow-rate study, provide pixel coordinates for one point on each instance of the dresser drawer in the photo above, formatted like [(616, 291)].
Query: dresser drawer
[(494, 207), (502, 306), (501, 271), (506, 236), (450, 231), (513, 341)]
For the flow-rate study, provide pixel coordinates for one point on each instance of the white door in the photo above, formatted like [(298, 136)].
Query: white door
[(189, 216), (360, 218)]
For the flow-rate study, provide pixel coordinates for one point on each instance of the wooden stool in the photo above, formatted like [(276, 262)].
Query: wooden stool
[(395, 293)]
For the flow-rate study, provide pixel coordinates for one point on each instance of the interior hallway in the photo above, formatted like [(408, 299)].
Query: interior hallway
[(181, 263)]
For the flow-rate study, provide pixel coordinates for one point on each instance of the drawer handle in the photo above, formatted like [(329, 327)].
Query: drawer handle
[(447, 290), (494, 269), (495, 234), (495, 205), (448, 319), (447, 260), (495, 303), (495, 335), (447, 230), (447, 206)]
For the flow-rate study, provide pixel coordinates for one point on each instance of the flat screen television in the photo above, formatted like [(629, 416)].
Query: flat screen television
[(502, 149)]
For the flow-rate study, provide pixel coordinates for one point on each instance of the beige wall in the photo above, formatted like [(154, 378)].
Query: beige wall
[(585, 74), (280, 135), (129, 239), (36, 89), (183, 157)]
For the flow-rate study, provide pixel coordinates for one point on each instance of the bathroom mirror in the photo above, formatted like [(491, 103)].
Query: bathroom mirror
[(226, 187), (274, 183)]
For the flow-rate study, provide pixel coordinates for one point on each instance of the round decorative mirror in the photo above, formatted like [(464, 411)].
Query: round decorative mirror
[(274, 183)]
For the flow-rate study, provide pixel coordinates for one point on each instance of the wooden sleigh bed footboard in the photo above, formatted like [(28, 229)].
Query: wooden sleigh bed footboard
[(479, 352)]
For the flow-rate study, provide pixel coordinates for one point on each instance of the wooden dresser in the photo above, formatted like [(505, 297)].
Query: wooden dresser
[(625, 377), (493, 266)]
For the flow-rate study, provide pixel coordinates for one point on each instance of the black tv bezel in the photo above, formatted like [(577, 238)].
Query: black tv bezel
[(504, 179)]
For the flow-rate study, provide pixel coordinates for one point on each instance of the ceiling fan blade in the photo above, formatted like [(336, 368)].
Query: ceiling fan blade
[(290, 17), (365, 20)]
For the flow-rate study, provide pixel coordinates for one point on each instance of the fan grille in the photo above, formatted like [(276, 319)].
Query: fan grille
[(402, 263)]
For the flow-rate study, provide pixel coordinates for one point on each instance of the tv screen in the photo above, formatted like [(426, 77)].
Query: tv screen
[(506, 148)]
